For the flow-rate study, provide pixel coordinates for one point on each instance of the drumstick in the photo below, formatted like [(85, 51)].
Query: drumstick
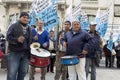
[(38, 50)]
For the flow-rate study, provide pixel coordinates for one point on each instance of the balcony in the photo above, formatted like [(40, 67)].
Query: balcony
[(17, 1), (89, 4)]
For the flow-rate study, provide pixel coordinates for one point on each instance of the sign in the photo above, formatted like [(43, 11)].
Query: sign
[(76, 11), (47, 13), (84, 21), (103, 23)]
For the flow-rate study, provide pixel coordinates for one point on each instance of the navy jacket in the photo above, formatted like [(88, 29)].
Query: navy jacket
[(77, 42), (94, 48)]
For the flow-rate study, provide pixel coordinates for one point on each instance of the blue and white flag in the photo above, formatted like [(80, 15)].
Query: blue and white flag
[(84, 21), (76, 11), (110, 43), (32, 13), (31, 19), (97, 19), (47, 13), (118, 39), (103, 23)]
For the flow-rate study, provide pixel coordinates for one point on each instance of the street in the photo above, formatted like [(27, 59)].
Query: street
[(102, 74)]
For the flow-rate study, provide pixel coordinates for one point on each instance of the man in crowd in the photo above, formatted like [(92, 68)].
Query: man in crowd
[(117, 49), (41, 36), (93, 57), (77, 43), (60, 51), (19, 39), (108, 56), (51, 49)]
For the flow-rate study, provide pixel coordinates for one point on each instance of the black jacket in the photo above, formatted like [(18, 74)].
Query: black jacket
[(14, 31)]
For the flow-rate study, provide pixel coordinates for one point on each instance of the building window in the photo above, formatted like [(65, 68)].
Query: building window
[(91, 18), (12, 16), (117, 11)]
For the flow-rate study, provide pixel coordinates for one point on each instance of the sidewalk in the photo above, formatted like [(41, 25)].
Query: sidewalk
[(102, 74)]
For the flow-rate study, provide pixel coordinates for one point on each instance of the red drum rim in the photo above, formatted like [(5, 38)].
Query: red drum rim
[(40, 56)]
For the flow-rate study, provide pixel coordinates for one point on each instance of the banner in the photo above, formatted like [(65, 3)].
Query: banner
[(45, 11), (97, 19), (103, 23), (32, 13), (76, 11), (31, 18), (84, 24)]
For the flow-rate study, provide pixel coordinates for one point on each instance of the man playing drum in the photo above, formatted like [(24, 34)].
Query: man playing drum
[(41, 36), (77, 43)]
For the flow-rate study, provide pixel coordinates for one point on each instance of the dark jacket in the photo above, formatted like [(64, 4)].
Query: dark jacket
[(77, 42), (107, 52), (94, 48), (117, 49), (14, 31)]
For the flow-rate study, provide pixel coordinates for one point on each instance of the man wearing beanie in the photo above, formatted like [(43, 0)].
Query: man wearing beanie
[(19, 39)]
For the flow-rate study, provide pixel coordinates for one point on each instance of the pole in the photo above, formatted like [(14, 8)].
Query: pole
[(113, 13), (112, 56)]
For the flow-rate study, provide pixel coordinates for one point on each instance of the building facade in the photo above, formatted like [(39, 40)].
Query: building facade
[(10, 7)]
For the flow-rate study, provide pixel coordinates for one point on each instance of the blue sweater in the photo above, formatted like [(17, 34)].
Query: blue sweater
[(42, 38), (77, 42)]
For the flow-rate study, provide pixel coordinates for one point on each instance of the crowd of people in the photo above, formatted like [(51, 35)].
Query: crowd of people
[(70, 41)]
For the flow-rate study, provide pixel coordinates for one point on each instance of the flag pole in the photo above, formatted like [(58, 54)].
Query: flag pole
[(113, 13), (111, 34)]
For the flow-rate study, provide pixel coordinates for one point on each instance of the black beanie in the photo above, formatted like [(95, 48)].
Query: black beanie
[(23, 14)]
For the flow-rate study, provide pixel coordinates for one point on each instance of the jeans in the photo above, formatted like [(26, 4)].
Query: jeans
[(77, 70), (90, 63), (17, 64)]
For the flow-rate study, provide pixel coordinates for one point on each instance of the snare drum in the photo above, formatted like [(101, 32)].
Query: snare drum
[(69, 60), (39, 58)]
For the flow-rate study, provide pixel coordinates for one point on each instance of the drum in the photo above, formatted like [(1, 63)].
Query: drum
[(39, 58), (69, 60)]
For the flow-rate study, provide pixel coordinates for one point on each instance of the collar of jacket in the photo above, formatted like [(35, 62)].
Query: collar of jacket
[(95, 32), (76, 32)]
